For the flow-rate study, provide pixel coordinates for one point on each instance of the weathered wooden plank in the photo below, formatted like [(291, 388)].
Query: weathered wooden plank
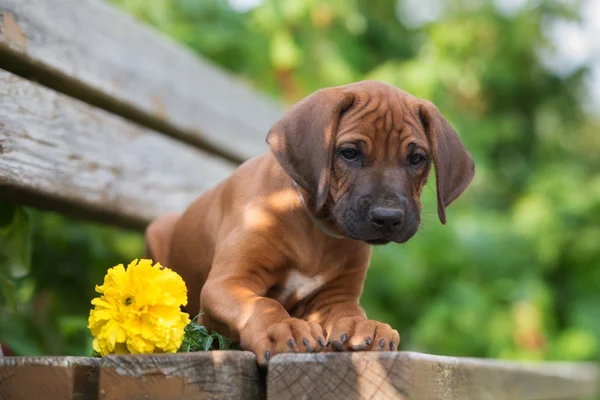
[(414, 376), (84, 161), (26, 378), (90, 50), (210, 375)]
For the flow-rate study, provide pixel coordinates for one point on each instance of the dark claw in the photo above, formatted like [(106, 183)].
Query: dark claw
[(344, 338), (267, 355), (328, 343), (321, 341), (382, 343), (292, 344), (392, 345), (369, 341), (308, 347)]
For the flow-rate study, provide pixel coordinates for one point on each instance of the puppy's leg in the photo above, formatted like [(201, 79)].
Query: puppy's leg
[(232, 302), (158, 238), (345, 323)]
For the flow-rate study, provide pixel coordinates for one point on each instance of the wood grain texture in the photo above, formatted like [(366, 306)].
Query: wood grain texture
[(86, 162), (212, 375), (26, 378), (414, 376), (91, 50)]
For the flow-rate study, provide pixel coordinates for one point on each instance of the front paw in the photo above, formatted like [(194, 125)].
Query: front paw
[(361, 334), (292, 335)]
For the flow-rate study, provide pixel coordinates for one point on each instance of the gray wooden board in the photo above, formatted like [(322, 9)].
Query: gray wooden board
[(202, 375), (27, 378), (415, 376), (90, 49), (60, 153)]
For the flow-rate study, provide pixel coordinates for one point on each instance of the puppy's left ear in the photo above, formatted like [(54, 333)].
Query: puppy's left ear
[(454, 166), (303, 140)]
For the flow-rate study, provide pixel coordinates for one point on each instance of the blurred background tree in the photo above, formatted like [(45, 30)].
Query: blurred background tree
[(514, 274)]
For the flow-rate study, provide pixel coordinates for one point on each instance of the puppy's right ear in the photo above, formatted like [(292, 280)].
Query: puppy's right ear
[(303, 140)]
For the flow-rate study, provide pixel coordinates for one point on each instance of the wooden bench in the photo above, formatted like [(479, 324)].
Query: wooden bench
[(103, 119)]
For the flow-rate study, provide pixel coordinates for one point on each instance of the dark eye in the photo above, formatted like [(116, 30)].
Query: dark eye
[(416, 159), (349, 153)]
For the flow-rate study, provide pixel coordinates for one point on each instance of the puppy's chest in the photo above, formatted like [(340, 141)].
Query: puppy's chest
[(296, 287), (306, 277)]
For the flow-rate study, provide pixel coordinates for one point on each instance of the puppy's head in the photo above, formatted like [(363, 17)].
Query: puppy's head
[(364, 152)]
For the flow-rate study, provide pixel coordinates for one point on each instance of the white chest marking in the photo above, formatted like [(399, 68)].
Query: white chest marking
[(300, 286)]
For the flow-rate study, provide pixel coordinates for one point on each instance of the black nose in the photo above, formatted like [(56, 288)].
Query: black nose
[(388, 219)]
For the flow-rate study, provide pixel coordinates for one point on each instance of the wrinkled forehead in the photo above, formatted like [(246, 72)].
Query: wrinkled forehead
[(383, 112)]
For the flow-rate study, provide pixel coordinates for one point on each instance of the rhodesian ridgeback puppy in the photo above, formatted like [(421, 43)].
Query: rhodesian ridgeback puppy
[(275, 256)]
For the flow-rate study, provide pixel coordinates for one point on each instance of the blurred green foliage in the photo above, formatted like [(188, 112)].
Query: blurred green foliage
[(514, 274), (68, 259)]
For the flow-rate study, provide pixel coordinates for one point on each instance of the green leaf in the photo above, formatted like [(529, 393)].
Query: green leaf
[(202, 329), (224, 343), (208, 343)]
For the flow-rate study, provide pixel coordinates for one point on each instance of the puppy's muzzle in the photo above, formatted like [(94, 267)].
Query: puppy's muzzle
[(387, 219)]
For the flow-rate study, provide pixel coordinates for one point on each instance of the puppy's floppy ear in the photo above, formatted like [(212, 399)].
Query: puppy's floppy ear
[(454, 166), (303, 140)]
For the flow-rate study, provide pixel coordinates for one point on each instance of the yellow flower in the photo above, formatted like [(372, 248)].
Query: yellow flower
[(139, 310)]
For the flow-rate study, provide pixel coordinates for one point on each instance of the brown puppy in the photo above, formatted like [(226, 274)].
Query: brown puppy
[(276, 255)]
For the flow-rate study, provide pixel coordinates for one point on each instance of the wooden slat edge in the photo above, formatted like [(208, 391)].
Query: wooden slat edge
[(59, 153), (584, 371), (90, 50), (24, 378), (414, 376), (214, 374)]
